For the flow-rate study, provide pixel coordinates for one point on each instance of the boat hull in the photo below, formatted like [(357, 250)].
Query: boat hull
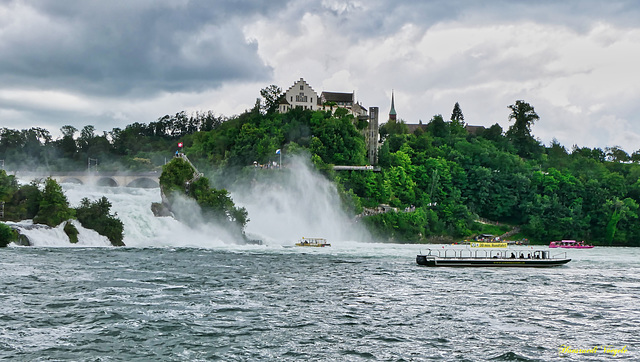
[(571, 247), (434, 261), (569, 244)]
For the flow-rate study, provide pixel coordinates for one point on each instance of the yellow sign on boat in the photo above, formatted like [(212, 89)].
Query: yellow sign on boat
[(488, 245)]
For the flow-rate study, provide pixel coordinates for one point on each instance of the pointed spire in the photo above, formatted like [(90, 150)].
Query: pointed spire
[(392, 112)]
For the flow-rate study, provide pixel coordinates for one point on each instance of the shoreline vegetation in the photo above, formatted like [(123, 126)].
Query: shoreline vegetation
[(435, 183), (44, 202)]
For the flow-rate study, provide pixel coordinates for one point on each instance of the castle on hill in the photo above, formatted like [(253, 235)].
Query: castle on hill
[(302, 95)]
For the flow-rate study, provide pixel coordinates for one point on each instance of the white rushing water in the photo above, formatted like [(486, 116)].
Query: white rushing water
[(141, 228), (41, 235), (304, 204)]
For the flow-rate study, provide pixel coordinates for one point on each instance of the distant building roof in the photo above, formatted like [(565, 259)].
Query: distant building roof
[(474, 129), (337, 97), (413, 127), (283, 99)]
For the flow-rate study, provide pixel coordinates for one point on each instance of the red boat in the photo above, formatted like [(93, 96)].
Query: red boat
[(570, 244)]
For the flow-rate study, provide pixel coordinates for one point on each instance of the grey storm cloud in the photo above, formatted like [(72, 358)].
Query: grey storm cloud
[(129, 47), (111, 63), (374, 17), (140, 48)]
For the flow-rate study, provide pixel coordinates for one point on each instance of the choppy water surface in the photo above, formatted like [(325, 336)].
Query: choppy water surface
[(350, 302)]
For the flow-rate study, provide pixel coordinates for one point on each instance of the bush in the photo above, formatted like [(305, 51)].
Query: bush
[(54, 207), (71, 232), (95, 215), (25, 203), (7, 234)]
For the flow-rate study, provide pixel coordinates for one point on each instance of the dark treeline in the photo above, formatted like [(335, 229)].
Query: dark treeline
[(137, 147), (440, 178)]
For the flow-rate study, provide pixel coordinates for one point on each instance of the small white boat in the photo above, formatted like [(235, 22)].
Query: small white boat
[(313, 242)]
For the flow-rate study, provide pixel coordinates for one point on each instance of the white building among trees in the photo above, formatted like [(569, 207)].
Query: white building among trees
[(301, 95)]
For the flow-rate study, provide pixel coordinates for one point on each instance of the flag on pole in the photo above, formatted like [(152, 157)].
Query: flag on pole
[(278, 151), (180, 144)]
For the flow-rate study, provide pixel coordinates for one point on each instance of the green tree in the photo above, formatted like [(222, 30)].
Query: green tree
[(438, 127), (54, 207), (617, 154), (524, 116), (457, 121), (86, 137), (338, 142), (619, 210), (7, 235), (96, 215), (456, 115), (392, 127), (8, 185), (25, 202), (68, 144), (493, 133), (271, 95)]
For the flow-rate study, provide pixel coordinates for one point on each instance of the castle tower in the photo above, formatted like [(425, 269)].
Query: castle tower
[(392, 112), (372, 136)]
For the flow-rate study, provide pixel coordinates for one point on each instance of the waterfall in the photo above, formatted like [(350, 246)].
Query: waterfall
[(42, 235), (303, 204)]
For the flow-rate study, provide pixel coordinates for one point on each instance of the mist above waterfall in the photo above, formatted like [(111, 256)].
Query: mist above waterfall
[(296, 202)]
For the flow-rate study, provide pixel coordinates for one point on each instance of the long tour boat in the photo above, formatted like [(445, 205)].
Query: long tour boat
[(570, 244), (491, 258), (313, 242)]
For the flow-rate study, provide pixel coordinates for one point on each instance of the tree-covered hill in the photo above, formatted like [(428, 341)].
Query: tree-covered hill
[(441, 178)]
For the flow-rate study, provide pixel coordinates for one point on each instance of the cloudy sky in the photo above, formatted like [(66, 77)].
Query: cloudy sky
[(112, 63)]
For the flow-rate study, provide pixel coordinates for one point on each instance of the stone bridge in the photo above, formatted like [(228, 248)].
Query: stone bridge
[(113, 179)]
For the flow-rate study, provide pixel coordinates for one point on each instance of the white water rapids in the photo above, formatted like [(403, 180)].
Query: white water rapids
[(304, 205)]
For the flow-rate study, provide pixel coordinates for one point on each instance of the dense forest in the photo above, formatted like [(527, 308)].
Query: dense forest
[(137, 147), (438, 180)]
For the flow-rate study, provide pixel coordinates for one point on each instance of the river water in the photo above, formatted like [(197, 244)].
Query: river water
[(177, 294), (353, 301)]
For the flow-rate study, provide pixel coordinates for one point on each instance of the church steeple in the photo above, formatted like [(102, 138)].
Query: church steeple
[(392, 112)]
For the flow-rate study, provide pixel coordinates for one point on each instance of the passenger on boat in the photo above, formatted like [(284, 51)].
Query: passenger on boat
[(521, 256), (513, 256)]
